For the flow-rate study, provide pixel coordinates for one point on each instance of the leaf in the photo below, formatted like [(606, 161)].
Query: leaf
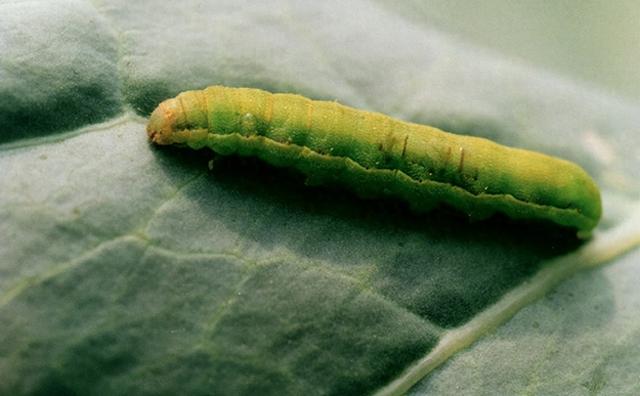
[(580, 339), (130, 269)]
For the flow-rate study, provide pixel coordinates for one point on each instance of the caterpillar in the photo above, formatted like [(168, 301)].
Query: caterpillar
[(376, 155)]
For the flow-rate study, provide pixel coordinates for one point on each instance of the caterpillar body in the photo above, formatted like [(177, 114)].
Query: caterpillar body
[(376, 155)]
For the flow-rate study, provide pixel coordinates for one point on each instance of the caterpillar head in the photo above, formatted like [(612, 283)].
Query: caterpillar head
[(162, 123)]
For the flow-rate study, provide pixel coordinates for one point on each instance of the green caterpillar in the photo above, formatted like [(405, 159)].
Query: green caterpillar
[(376, 155)]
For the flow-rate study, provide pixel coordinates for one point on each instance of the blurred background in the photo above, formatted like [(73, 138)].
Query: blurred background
[(595, 42)]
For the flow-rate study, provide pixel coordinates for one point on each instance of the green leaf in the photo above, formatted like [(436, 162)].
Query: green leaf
[(131, 269)]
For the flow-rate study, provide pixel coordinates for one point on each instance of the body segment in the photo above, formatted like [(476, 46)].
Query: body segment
[(376, 155)]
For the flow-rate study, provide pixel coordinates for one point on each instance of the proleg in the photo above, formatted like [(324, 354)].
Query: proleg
[(376, 155)]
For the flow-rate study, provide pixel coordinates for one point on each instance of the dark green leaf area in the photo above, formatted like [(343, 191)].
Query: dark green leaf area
[(110, 320), (58, 69), (133, 319), (305, 324), (438, 265)]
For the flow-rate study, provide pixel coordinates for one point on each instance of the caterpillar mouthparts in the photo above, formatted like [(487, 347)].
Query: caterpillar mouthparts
[(162, 122)]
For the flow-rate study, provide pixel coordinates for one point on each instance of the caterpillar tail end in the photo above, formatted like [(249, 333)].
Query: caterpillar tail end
[(161, 126)]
